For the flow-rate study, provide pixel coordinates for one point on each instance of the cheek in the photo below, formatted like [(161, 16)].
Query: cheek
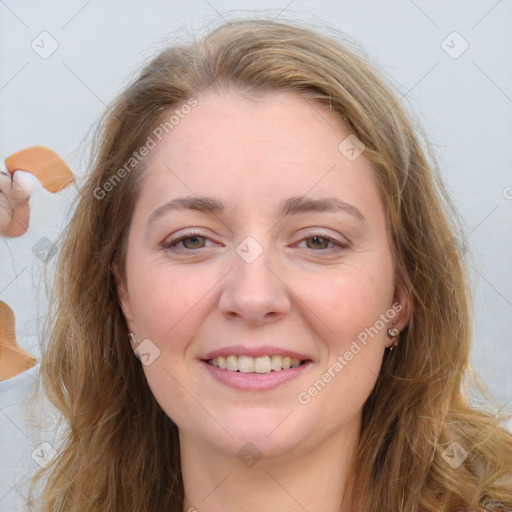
[(343, 397), (164, 297), (348, 301), (351, 306)]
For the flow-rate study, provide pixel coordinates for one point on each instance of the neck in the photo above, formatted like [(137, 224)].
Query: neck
[(309, 479)]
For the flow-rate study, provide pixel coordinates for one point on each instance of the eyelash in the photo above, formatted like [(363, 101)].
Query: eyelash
[(173, 243)]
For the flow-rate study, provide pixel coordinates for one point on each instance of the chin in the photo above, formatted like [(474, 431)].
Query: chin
[(266, 432)]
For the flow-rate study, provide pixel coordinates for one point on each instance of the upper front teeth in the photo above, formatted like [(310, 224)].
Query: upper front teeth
[(248, 364)]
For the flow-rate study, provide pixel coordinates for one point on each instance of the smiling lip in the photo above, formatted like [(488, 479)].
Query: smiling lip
[(254, 381), (259, 351)]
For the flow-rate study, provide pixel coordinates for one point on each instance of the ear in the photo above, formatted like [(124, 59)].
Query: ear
[(402, 297), (123, 297)]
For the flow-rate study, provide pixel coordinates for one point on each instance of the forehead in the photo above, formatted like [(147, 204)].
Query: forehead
[(256, 149), (233, 127)]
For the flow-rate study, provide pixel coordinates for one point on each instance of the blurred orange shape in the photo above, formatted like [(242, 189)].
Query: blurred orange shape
[(44, 164)]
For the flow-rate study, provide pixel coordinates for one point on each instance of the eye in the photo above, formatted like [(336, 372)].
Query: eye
[(195, 238), (320, 240)]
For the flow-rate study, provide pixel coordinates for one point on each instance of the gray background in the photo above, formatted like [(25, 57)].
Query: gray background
[(463, 101)]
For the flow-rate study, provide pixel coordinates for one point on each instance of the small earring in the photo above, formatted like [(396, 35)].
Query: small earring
[(133, 338), (393, 332)]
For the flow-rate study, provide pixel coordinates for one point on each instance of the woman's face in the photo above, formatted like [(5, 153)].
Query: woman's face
[(283, 257)]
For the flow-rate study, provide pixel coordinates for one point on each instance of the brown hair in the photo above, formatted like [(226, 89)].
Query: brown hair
[(122, 451)]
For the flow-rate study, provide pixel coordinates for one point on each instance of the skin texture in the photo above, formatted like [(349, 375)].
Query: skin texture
[(300, 293)]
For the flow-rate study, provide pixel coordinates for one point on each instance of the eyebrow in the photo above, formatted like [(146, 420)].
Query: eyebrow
[(291, 206)]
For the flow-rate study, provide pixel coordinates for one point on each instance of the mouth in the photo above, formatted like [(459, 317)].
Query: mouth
[(255, 368), (261, 365)]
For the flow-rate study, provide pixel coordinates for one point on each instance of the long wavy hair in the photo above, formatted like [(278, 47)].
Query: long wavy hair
[(423, 445)]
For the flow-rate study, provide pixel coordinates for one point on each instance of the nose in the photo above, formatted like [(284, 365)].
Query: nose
[(253, 291)]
